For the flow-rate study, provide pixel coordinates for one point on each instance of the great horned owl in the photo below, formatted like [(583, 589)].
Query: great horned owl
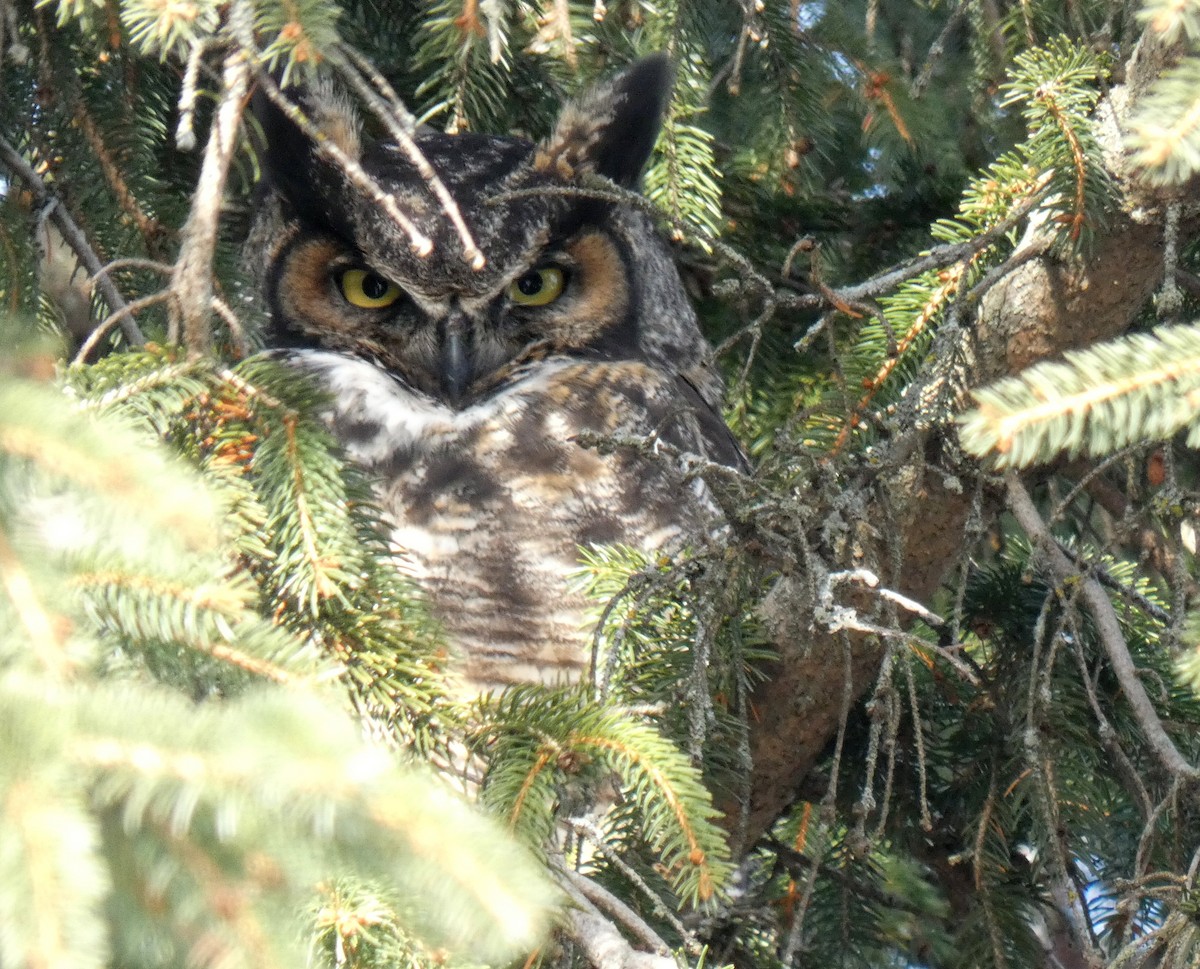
[(475, 394)]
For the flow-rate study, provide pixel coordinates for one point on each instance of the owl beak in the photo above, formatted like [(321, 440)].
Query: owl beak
[(456, 370)]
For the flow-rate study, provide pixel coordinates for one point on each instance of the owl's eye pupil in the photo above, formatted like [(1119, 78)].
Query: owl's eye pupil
[(367, 290), (375, 287), (538, 287), (530, 284)]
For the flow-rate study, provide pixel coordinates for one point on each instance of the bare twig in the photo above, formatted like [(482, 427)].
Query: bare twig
[(1109, 738), (937, 48), (940, 256), (132, 263), (606, 901), (118, 317), (1106, 578), (237, 332), (421, 244), (969, 298), (795, 934), (400, 125), (192, 283), (1107, 627), (602, 945), (73, 236), (587, 829), (798, 863), (185, 133)]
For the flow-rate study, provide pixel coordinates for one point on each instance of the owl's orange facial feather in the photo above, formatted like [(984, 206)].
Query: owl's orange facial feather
[(595, 300), (308, 296), (587, 296)]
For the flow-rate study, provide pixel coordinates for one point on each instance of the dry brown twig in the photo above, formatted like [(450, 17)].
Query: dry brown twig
[(400, 125), (1108, 629), (192, 281), (74, 237)]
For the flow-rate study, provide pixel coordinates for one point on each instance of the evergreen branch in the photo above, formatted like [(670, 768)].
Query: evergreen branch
[(52, 870), (105, 460), (196, 617), (73, 236), (1010, 185), (534, 737), (299, 479), (797, 863), (163, 29), (161, 759), (1108, 629), (243, 661), (319, 564), (156, 385), (1165, 132), (1171, 19), (227, 902), (671, 795), (45, 636), (300, 32), (1142, 386), (1064, 122), (937, 300), (151, 229), (531, 777), (1057, 85)]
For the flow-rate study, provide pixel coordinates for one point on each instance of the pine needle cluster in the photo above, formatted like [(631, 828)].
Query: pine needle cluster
[(141, 825), (218, 689), (1093, 402)]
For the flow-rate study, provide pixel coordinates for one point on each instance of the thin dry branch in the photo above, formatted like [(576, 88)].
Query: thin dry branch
[(602, 945), (192, 284), (1108, 629), (73, 236), (118, 317), (421, 244), (388, 109), (185, 134), (588, 830), (606, 901)]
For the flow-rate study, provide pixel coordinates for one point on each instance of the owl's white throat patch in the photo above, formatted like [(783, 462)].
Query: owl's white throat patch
[(387, 415)]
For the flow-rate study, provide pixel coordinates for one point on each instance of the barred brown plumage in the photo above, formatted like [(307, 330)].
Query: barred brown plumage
[(471, 392)]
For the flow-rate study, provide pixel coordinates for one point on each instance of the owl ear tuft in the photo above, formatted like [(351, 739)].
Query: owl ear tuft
[(612, 128), (292, 164)]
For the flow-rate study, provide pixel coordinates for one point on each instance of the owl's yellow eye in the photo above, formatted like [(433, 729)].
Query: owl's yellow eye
[(538, 287), (368, 290)]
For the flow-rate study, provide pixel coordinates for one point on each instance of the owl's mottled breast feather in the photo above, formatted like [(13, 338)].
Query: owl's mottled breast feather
[(491, 505)]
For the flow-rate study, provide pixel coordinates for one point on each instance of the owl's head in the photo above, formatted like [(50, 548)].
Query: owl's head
[(564, 272)]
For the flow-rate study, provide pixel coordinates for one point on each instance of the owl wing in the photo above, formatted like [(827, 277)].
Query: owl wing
[(715, 438)]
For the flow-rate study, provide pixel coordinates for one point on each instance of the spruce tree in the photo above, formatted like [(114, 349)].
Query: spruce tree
[(930, 699)]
